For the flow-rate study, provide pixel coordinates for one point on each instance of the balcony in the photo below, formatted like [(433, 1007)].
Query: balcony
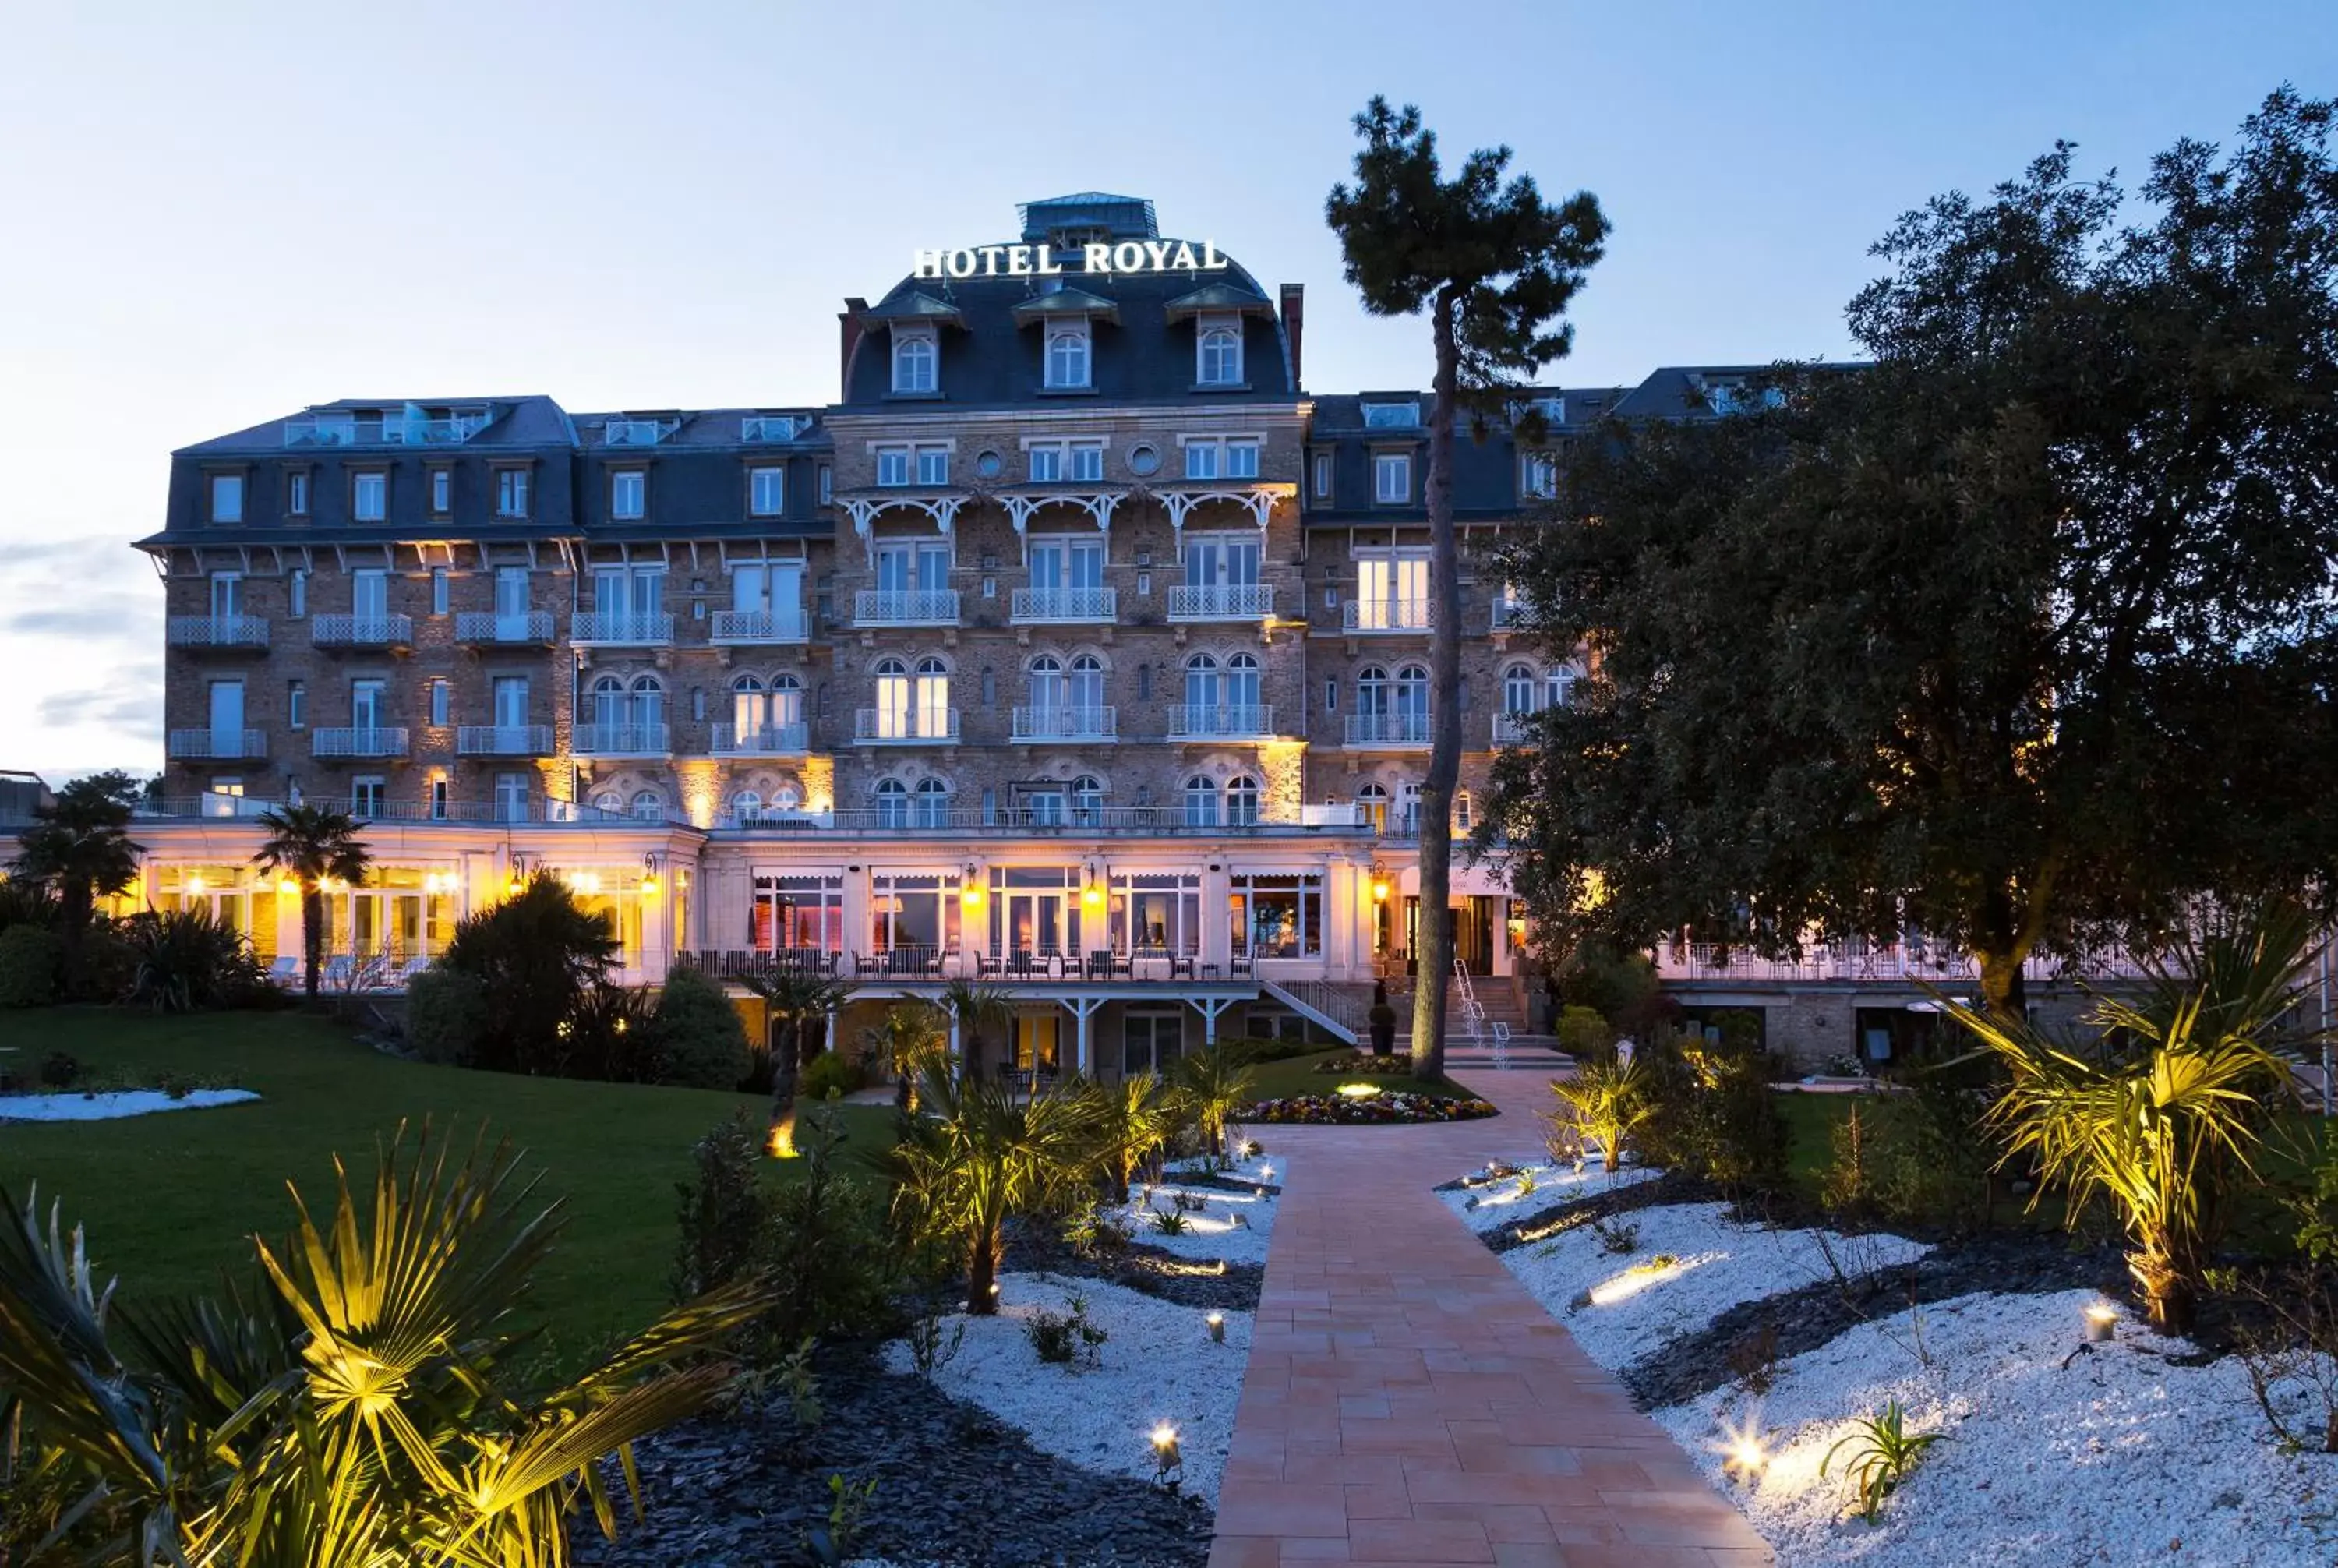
[(621, 741), (1064, 606), (1514, 729), (1253, 601), (1238, 721), (357, 744), (504, 740), (905, 607), (620, 628), (1377, 615), (226, 632), (1388, 729), (408, 427), (1020, 821), (904, 727), (490, 629), (209, 745), (362, 630), (1066, 723), (786, 625), (1506, 614), (762, 740)]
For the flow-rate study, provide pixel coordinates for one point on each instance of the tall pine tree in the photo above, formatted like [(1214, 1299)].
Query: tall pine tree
[(1495, 266)]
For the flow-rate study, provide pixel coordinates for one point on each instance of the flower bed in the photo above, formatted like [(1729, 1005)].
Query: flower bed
[(1367, 1065), (1377, 1108)]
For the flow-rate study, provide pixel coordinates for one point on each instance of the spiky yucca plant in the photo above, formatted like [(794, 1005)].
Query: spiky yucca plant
[(980, 1156), (909, 1042), (1209, 1086), (1607, 1100), (355, 1405), (2170, 1106), (1132, 1118)]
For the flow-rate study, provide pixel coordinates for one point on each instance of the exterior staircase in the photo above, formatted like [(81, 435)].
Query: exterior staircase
[(1484, 1027)]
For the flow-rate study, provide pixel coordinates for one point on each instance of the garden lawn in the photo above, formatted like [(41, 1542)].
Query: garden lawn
[(1297, 1076), (169, 1199)]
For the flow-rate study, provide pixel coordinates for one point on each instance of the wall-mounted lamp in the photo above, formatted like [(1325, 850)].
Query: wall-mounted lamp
[(649, 876)]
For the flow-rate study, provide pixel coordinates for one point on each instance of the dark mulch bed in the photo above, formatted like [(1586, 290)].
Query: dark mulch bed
[(1040, 1247), (1666, 1189), (953, 1485)]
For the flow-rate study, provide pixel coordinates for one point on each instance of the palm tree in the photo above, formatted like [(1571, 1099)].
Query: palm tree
[(980, 1157), (974, 1008), (908, 1042), (313, 845), (1210, 1086), (1607, 1099), (2169, 1106), (1132, 1119), (794, 999), (80, 847), (356, 1402)]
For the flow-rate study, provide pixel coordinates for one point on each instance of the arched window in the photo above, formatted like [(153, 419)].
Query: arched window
[(1067, 357), (1465, 813), (1408, 709), (893, 694), (1088, 799), (649, 699), (932, 717), (1200, 802), (1242, 802), (1374, 800), (649, 806), (746, 806), (1046, 683), (1243, 689), (1086, 687), (1202, 690), (932, 809), (913, 363), (1408, 811), (1221, 357), (1521, 692), (787, 700), (750, 708), (786, 798), (893, 803), (1561, 685), (1372, 692), (608, 702), (610, 802)]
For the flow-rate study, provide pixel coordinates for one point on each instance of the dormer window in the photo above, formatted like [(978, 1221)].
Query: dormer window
[(1392, 415), (1218, 351), (1068, 356), (917, 360), (227, 497), (1539, 475), (628, 494), (1391, 478)]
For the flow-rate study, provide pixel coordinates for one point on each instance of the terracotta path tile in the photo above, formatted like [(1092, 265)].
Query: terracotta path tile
[(1407, 1402)]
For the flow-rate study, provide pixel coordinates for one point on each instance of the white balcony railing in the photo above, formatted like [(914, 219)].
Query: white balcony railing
[(1066, 723), (622, 629), (788, 624), (1220, 721), (1506, 614), (1255, 602), (525, 626), (762, 740), (1067, 605), (621, 741), (1388, 615), (1388, 729), (897, 726), (504, 740), (1513, 729), (1915, 958), (371, 741), (216, 745), (362, 630), (217, 631), (905, 607)]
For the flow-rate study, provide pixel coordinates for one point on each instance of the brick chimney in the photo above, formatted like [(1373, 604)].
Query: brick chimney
[(1294, 317), (849, 329)]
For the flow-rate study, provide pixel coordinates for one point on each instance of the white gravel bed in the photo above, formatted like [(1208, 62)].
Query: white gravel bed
[(68, 1106), (1635, 1305), (1234, 1226), (1159, 1365), (1259, 1170), (2119, 1458), (1497, 1203)]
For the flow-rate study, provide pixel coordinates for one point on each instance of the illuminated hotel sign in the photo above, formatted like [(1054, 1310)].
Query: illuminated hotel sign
[(1041, 261)]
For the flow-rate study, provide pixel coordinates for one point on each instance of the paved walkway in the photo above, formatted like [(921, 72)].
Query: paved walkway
[(1407, 1401)]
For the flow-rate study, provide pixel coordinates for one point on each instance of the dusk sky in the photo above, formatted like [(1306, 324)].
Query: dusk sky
[(216, 214)]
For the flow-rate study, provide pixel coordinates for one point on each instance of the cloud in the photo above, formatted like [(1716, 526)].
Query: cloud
[(122, 617), (130, 701)]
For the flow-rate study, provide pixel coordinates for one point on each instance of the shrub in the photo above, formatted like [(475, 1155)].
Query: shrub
[(1608, 1101), (31, 958), (1583, 1033), (446, 1015), (541, 957), (833, 1267), (1065, 1340), (830, 1069), (702, 1040), (724, 1212), (1716, 1116), (188, 960), (60, 1069), (1931, 1158)]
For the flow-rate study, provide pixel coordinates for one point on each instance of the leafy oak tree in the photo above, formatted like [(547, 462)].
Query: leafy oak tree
[(1494, 266), (2020, 636)]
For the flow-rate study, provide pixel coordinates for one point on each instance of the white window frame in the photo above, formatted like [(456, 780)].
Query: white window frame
[(227, 496), (441, 590), (1206, 331), (1224, 456), (442, 491), (511, 492), (1384, 465), (1077, 334), (295, 705), (441, 696), (1385, 416), (916, 374), (1322, 476), (771, 478), (376, 485), (1538, 476), (620, 482), (917, 464), (296, 593), (296, 493)]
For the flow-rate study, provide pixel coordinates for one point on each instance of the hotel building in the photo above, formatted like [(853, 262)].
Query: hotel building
[(1075, 645)]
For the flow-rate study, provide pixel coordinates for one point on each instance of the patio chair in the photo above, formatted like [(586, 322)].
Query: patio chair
[(286, 970)]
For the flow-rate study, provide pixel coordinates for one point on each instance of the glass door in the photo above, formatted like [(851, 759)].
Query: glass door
[(227, 717), (369, 597), (1035, 924), (1151, 1043), (511, 603)]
